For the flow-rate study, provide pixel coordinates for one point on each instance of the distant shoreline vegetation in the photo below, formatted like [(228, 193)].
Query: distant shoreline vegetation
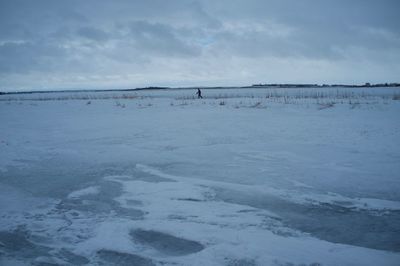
[(288, 85), (261, 85)]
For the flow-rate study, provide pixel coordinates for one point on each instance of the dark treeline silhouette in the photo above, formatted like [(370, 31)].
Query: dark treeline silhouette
[(291, 85)]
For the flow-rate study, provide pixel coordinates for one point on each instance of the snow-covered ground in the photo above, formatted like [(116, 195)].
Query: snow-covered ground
[(241, 177)]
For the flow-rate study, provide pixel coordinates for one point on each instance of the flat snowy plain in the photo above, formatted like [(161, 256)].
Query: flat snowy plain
[(242, 177)]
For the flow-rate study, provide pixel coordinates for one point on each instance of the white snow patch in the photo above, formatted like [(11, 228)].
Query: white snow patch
[(290, 195), (85, 191)]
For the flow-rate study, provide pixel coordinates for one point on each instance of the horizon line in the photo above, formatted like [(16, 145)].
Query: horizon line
[(259, 85)]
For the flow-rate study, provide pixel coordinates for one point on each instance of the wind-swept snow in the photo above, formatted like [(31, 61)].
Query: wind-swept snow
[(241, 177)]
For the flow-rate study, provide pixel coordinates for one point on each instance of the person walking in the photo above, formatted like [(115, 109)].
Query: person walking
[(199, 94)]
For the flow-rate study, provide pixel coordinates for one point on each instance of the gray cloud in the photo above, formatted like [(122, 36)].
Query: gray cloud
[(23, 57), (92, 33), (202, 42), (160, 39)]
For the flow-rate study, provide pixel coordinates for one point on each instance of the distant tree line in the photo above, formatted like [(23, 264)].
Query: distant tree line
[(290, 85)]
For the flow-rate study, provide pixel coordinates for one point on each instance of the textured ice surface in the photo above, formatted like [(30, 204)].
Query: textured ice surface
[(242, 177), (123, 259), (83, 192), (166, 243)]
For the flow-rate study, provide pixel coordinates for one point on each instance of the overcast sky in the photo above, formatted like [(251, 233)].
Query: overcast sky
[(50, 44)]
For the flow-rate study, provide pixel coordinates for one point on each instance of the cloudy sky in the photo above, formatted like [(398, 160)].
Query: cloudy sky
[(51, 44)]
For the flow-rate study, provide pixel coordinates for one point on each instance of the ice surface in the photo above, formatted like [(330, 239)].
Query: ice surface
[(83, 192), (241, 177), (123, 259), (166, 243)]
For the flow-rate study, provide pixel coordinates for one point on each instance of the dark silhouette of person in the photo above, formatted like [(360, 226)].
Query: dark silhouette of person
[(199, 94)]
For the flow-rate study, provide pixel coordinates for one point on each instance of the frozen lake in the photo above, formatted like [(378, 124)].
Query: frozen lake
[(242, 177)]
